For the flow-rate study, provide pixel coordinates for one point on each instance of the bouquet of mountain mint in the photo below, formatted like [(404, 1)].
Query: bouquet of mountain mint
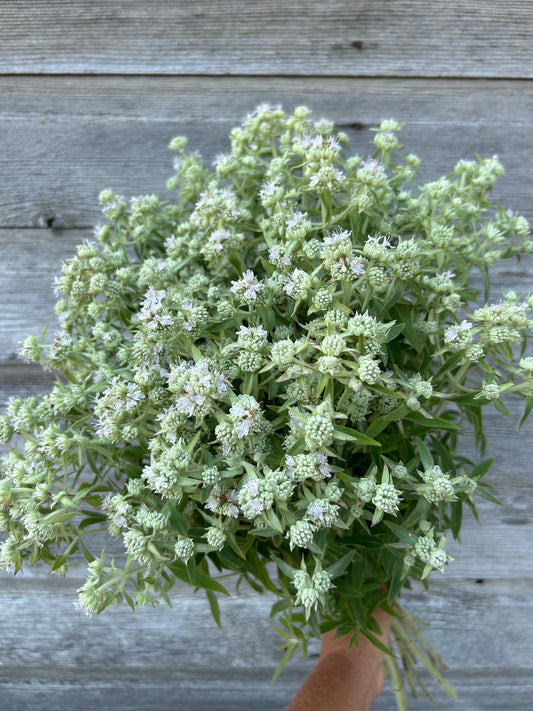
[(268, 376)]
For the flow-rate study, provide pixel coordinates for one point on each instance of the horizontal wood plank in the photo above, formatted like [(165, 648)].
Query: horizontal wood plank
[(397, 38), (490, 690), (144, 656), (64, 139), (163, 638)]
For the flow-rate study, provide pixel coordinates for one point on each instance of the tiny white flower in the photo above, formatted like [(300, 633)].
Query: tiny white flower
[(357, 268), (252, 487), (243, 428), (295, 219), (255, 506), (323, 464), (316, 510), (248, 284), (221, 383)]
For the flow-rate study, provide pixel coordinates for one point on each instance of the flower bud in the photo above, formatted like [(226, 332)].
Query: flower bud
[(184, 548), (300, 534), (321, 581), (216, 537)]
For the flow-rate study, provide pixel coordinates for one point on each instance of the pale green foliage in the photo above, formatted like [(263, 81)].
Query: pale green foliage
[(273, 368)]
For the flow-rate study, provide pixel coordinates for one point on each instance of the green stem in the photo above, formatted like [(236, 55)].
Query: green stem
[(397, 683)]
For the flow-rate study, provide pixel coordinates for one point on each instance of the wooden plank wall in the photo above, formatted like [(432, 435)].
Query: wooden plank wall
[(91, 91)]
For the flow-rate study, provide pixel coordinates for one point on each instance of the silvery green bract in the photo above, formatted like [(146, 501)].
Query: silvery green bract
[(268, 376)]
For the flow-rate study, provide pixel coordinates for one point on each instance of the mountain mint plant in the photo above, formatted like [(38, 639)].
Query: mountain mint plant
[(268, 376)]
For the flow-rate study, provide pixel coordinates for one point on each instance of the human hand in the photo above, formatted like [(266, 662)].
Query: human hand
[(345, 679), (365, 659)]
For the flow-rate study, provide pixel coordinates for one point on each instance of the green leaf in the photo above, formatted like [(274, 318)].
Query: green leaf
[(363, 541), (196, 353), (425, 455), (498, 404), (418, 513), (278, 606), (248, 383), (485, 495), (379, 424), (394, 332), (400, 532), (322, 383), (432, 423), (402, 314), (228, 324), (230, 560), (358, 611), (376, 642), (129, 600), (268, 315), (273, 520), (213, 604), (266, 532), (340, 565), (234, 544), (481, 469), (92, 520), (284, 567), (291, 648), (59, 561), (199, 579), (377, 517), (89, 557), (177, 519), (528, 406), (396, 294), (445, 457), (297, 448), (349, 435), (396, 581), (456, 517)]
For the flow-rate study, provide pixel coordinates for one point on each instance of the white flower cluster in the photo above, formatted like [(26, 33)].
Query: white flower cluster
[(196, 386), (115, 407), (269, 374)]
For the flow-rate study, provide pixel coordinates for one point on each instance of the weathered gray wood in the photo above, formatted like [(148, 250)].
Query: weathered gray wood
[(227, 98), (397, 38), (248, 689), (31, 259), (65, 139), (23, 380), (165, 638), (180, 653)]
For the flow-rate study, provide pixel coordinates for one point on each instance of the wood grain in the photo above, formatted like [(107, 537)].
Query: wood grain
[(143, 656), (171, 637), (64, 139), (492, 690), (483, 38)]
